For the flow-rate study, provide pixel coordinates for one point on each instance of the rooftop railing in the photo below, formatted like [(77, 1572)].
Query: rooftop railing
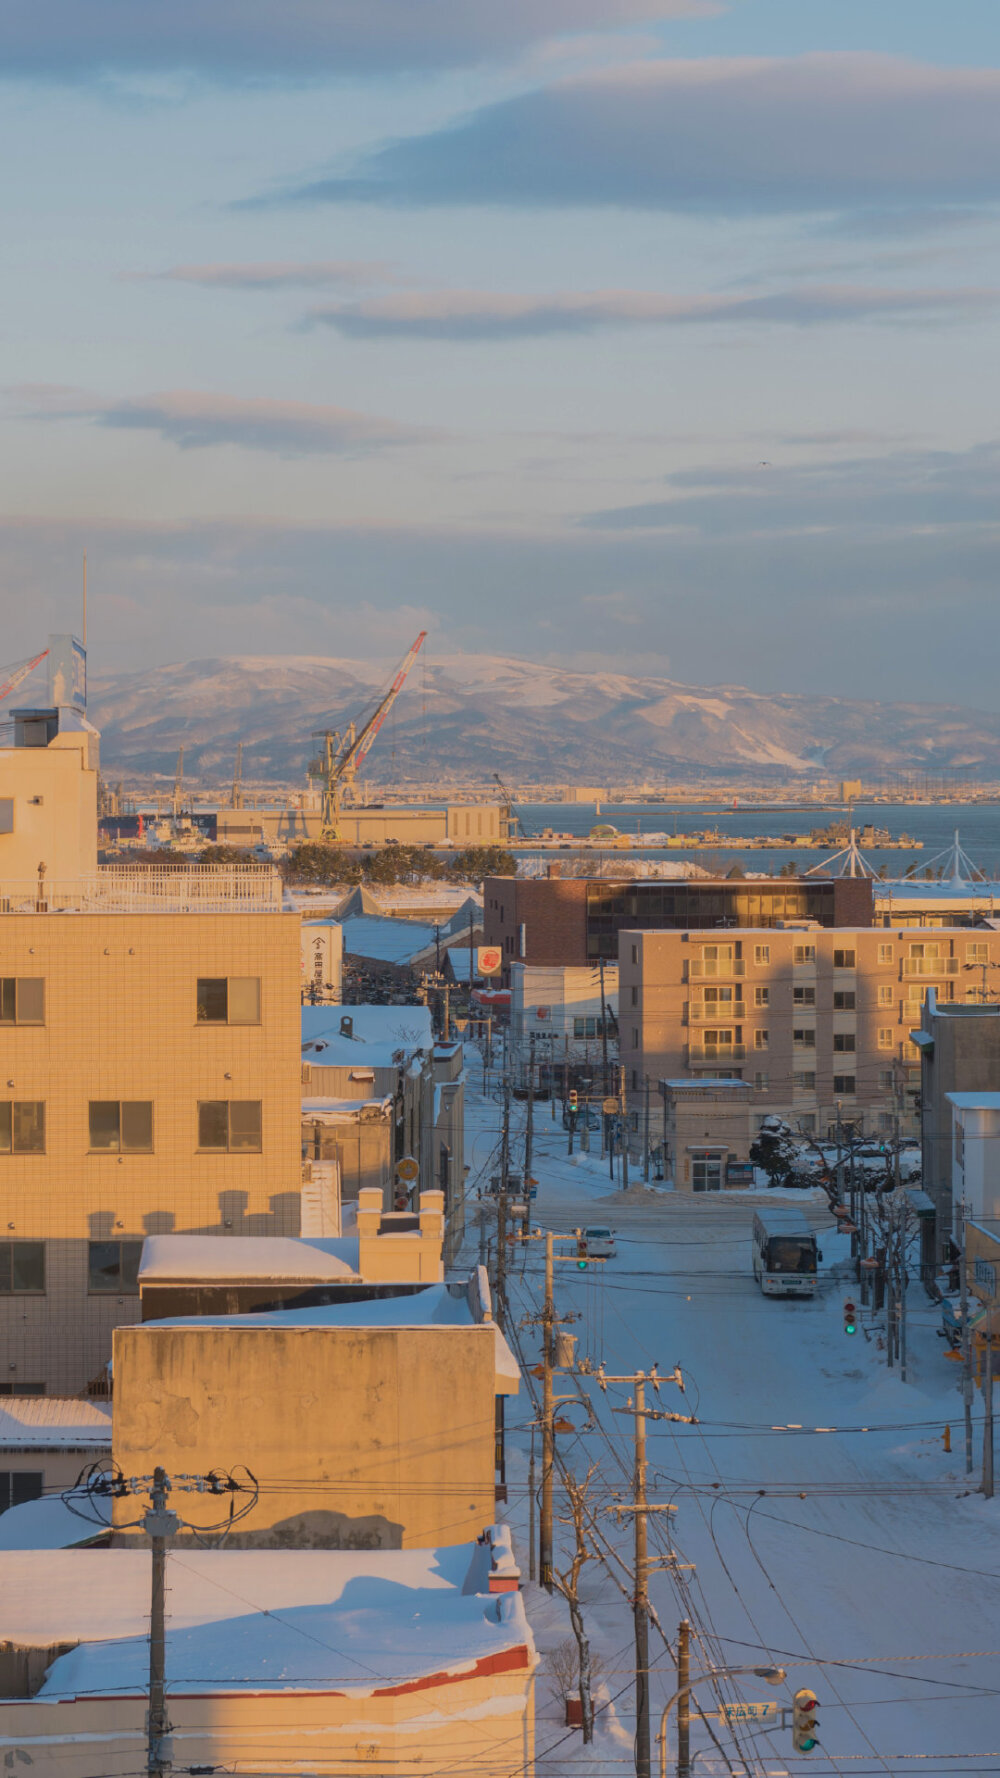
[(150, 889)]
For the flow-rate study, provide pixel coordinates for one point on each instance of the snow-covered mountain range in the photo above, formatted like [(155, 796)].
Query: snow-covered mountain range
[(472, 715)]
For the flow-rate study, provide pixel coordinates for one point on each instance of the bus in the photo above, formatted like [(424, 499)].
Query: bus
[(785, 1255)]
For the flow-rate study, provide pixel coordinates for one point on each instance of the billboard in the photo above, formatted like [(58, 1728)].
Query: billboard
[(489, 959)]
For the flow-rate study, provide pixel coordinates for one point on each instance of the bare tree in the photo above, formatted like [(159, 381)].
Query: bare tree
[(567, 1582)]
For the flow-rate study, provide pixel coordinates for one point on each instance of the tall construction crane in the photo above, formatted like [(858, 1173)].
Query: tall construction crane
[(236, 801), (511, 812), (11, 677), (178, 797), (336, 767)]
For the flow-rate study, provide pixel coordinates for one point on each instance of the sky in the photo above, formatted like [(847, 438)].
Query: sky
[(654, 334)]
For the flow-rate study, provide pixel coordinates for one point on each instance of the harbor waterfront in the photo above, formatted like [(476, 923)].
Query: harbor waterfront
[(932, 825)]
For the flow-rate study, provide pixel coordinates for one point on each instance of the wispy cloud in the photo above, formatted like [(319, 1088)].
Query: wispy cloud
[(195, 420), (262, 40), (463, 315), (819, 132), (277, 274)]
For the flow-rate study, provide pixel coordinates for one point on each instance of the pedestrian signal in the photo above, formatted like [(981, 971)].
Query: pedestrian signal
[(850, 1318), (804, 1708)]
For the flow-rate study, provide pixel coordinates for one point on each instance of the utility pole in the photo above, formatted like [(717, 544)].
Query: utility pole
[(624, 1123), (159, 1524), (684, 1699), (532, 1509), (640, 1507), (548, 1321), (604, 1032), (645, 1135), (988, 1411), (966, 1342), (529, 1128), (501, 1304)]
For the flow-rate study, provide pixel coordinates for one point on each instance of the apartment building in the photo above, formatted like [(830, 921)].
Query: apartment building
[(816, 1021), (575, 921), (150, 1084)]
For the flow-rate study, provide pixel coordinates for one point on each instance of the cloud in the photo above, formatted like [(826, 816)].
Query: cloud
[(276, 274), (819, 132), (263, 40), (483, 315), (194, 420), (911, 493)]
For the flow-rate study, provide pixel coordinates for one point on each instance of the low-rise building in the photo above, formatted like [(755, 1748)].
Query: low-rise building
[(452, 824), (368, 1424), (975, 1191), (563, 1009), (322, 962), (707, 1128), (405, 1661), (45, 1442), (958, 1045)]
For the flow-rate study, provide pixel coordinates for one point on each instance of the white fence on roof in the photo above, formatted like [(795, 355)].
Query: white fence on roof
[(150, 889)]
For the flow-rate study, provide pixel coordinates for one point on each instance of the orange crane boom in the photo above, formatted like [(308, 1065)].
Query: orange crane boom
[(11, 677), (342, 754)]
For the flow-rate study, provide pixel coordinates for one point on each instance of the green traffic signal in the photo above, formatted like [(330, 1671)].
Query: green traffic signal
[(581, 1265)]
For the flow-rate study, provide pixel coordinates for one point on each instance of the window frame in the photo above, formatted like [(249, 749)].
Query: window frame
[(241, 1148), (840, 958), (10, 1147), (14, 982), (7, 1249), (120, 1147), (208, 982), (122, 1287), (842, 1090)]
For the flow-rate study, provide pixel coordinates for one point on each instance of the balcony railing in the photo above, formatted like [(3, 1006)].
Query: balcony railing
[(929, 967), (699, 1053), (150, 889), (700, 1013), (722, 966)]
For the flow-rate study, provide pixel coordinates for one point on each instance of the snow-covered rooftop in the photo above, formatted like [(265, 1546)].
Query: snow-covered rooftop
[(248, 1259), (51, 1524), (378, 1033), (343, 1111), (36, 1422), (273, 1620), (974, 1101), (384, 939)]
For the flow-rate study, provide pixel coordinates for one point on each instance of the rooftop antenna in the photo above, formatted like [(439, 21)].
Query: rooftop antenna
[(84, 598)]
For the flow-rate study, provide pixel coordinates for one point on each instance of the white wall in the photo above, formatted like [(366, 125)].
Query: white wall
[(546, 1002), (975, 1161)]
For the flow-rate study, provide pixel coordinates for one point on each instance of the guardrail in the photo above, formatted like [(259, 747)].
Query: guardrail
[(150, 889)]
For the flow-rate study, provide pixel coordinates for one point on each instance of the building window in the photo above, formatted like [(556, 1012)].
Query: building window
[(807, 1122), (761, 1082), (977, 953), (114, 1268), (635, 1080), (844, 959), (635, 995), (760, 1040), (762, 997), (22, 1126), (804, 1038), (885, 995), (803, 997), (230, 1126), (123, 1126), (959, 1144), (22, 1388), (18, 1486), (22, 1268), (586, 1027), (844, 1086), (885, 954), (22, 1000), (635, 1037), (635, 955), (229, 1000), (805, 1082), (886, 1037), (845, 1000), (804, 954), (886, 1081), (844, 1043), (762, 954)]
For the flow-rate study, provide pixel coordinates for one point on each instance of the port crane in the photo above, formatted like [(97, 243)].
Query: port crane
[(236, 801), (11, 677), (512, 814), (336, 766)]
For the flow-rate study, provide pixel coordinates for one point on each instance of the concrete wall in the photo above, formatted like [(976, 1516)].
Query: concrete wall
[(361, 1437), (965, 1058), (121, 1024), (479, 1723), (54, 793)]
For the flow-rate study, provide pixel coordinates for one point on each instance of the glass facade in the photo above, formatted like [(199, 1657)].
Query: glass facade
[(684, 906)]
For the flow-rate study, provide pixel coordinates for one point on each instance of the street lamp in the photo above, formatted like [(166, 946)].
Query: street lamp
[(773, 1676)]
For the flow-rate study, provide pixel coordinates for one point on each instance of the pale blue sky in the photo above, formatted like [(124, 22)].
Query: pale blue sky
[(670, 342)]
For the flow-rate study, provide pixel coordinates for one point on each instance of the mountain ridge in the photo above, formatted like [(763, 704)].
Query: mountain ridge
[(469, 715)]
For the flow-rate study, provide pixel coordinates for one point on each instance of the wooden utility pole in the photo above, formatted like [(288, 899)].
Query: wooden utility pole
[(501, 1302), (623, 1108), (159, 1524), (684, 1699), (988, 1411), (529, 1128), (548, 1320), (604, 1033), (966, 1341)]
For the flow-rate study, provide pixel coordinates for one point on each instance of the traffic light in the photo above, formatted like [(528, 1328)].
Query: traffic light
[(581, 1253), (574, 1099), (804, 1708), (850, 1318)]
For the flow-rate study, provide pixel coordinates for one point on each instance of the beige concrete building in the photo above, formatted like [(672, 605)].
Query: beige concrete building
[(368, 1424), (460, 825), (151, 1082), (813, 1019), (409, 1662), (707, 1127), (45, 1443)]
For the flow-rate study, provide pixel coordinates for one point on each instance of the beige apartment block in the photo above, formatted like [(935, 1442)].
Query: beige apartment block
[(816, 1020), (149, 1085)]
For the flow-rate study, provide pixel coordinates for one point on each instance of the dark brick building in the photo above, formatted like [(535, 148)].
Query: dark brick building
[(576, 920)]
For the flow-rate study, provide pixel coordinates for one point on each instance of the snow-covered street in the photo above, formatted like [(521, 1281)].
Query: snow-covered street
[(829, 1530)]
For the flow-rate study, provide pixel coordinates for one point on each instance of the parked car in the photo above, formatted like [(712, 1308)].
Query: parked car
[(600, 1242)]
